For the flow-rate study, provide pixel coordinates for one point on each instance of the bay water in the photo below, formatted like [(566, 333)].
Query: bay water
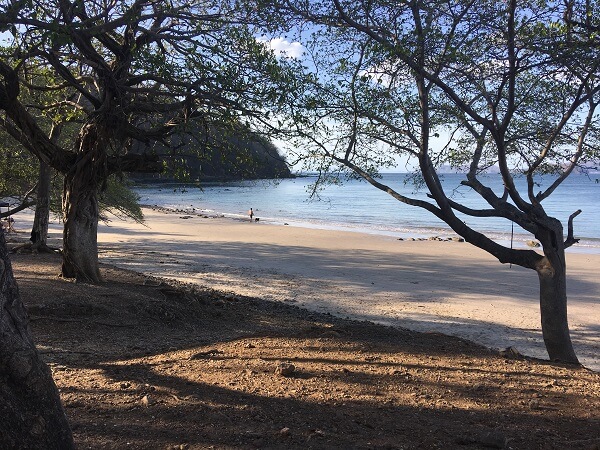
[(357, 206)]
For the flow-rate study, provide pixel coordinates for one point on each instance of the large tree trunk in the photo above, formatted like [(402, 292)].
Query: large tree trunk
[(553, 307), (80, 243), (31, 413), (80, 206), (552, 273)]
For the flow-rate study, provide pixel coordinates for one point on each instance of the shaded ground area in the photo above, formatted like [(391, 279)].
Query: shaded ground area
[(146, 364)]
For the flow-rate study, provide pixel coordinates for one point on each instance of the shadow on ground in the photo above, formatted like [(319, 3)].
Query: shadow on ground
[(415, 278), (145, 364)]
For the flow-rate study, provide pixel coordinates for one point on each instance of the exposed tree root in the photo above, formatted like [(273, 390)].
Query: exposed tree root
[(97, 322), (30, 247)]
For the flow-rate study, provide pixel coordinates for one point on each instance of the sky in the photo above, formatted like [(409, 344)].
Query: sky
[(294, 49)]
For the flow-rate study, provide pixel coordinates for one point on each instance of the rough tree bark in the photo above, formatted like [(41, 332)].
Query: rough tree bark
[(80, 206), (39, 230), (31, 414), (552, 274)]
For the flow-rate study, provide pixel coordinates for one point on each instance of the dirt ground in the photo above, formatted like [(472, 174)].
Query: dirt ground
[(148, 364)]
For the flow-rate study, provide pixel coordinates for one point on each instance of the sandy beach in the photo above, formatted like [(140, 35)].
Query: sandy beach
[(444, 287), (149, 362), (441, 287)]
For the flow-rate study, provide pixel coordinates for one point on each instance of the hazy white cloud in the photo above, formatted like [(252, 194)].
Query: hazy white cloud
[(285, 48)]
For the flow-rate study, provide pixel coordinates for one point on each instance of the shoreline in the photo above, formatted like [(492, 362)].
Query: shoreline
[(586, 245), (443, 287), (371, 211)]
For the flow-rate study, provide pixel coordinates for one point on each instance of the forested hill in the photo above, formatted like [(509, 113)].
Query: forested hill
[(243, 158), (221, 156)]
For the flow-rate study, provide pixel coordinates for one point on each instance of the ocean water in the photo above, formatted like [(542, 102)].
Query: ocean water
[(358, 206)]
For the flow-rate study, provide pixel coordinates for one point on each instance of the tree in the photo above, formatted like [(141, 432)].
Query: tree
[(140, 69), (19, 166), (34, 184), (472, 84), (30, 407)]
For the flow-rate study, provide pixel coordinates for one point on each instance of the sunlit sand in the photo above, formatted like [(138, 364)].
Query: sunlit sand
[(445, 287)]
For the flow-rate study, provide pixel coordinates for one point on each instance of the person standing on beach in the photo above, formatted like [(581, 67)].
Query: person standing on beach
[(251, 214)]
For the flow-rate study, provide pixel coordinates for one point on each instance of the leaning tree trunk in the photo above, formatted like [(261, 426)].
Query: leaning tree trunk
[(80, 207), (39, 231), (32, 416), (552, 273)]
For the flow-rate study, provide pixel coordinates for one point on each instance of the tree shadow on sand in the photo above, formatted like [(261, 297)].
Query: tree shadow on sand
[(144, 364), (291, 273)]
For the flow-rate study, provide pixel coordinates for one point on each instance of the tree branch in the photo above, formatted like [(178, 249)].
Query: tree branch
[(24, 205), (570, 238)]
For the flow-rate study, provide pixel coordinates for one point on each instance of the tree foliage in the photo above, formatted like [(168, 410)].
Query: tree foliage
[(17, 171), (473, 84), (136, 71)]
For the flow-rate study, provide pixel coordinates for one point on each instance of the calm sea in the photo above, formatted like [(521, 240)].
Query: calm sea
[(357, 206)]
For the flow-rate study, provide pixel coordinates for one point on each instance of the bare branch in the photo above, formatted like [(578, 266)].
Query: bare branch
[(570, 238)]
